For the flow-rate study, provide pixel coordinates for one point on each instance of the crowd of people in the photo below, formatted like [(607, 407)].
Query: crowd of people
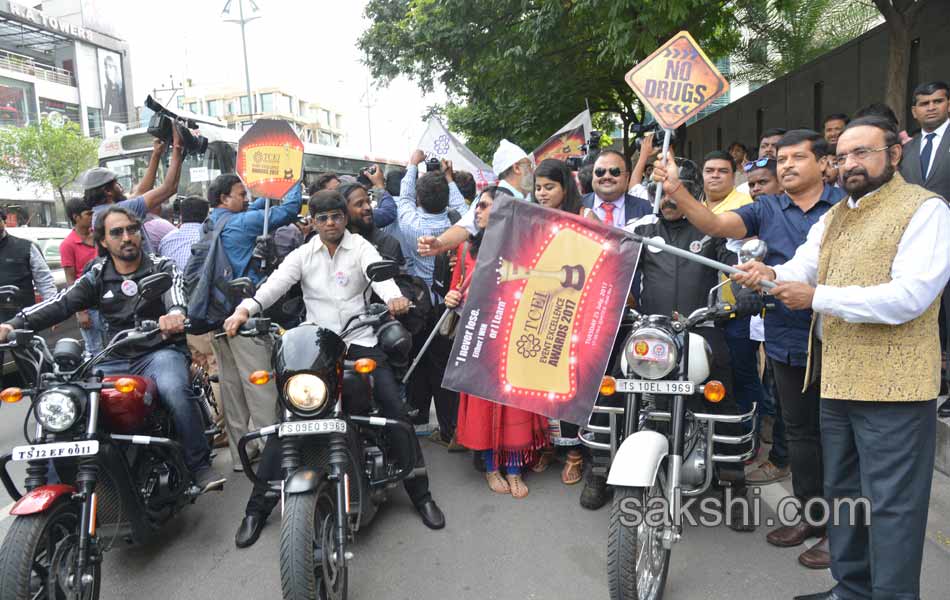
[(852, 218)]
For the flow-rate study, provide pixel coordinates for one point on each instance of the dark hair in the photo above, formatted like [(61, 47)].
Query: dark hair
[(626, 161), (75, 206), (770, 165), (194, 209), (585, 179), (891, 136), (99, 228), (348, 188), (97, 195), (321, 182), (558, 171), (221, 186), (836, 117), (819, 147), (720, 155), (466, 184), (689, 175), (739, 145), (878, 109), (394, 180), (326, 201), (772, 133), (931, 87), (432, 192)]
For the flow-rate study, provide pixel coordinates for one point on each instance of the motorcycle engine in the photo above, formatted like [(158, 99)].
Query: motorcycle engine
[(693, 472)]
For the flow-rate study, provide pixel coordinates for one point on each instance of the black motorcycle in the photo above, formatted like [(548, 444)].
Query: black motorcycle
[(112, 447), (337, 452)]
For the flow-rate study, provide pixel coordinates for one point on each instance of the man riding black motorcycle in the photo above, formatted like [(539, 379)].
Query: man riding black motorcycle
[(672, 284), (110, 285), (331, 270)]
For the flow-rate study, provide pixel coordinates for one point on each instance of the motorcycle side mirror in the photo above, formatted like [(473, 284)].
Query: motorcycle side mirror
[(753, 250), (382, 270), (153, 286), (242, 287), (8, 293)]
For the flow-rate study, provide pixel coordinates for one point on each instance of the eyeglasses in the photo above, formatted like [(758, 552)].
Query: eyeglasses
[(117, 233), (860, 155), (483, 204), (615, 171), (325, 218), (757, 164)]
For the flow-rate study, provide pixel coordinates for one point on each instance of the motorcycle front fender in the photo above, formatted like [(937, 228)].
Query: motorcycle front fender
[(638, 459), (41, 499), (304, 480)]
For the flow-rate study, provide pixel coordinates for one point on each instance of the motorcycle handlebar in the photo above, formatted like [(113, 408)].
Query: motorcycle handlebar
[(253, 327)]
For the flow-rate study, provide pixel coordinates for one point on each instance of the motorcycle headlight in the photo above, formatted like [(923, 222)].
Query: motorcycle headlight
[(305, 392), (651, 353), (56, 411)]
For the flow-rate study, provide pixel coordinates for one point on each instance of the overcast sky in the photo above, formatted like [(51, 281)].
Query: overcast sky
[(305, 46)]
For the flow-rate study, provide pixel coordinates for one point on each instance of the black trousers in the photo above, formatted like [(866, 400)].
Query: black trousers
[(426, 381), (387, 394), (882, 451), (800, 411)]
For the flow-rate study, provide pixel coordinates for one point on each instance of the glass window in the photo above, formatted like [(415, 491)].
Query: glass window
[(267, 103), (326, 139), (67, 111), (284, 104), (94, 117), (245, 105), (339, 121), (193, 107), (214, 108), (325, 118), (232, 107), (17, 102), (181, 102)]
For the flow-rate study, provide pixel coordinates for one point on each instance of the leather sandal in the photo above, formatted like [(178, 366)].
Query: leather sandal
[(573, 470), (544, 461), (497, 483), (518, 489)]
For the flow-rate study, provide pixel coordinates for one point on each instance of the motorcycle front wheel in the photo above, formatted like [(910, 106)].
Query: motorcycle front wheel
[(38, 557), (637, 562), (311, 565)]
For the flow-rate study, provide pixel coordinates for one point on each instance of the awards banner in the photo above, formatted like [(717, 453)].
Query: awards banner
[(270, 158), (567, 140), (542, 312)]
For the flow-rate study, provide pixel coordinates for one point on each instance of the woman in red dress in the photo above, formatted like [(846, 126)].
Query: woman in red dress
[(510, 438)]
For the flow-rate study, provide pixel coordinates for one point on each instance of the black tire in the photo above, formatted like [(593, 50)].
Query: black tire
[(24, 555), (305, 570), (627, 560)]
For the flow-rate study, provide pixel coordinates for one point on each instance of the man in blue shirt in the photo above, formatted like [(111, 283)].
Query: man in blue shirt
[(246, 407), (783, 223)]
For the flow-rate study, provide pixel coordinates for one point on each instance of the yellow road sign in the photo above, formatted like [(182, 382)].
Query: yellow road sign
[(677, 81)]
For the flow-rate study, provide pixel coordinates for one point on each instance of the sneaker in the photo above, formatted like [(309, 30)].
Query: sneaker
[(207, 479), (767, 473), (424, 429)]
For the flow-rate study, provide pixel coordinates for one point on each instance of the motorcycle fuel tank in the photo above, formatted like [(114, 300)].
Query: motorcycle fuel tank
[(125, 412)]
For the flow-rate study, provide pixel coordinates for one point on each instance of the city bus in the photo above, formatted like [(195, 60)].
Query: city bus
[(128, 154)]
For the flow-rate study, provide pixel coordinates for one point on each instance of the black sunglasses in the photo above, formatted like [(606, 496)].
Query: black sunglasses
[(601, 171), (132, 230), (483, 204), (757, 164)]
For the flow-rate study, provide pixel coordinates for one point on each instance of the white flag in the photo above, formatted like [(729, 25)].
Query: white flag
[(438, 142)]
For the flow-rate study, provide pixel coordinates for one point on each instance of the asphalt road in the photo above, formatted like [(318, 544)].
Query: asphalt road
[(494, 547)]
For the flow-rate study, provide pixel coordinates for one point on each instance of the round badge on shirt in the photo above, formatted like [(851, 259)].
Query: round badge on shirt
[(130, 288), (695, 246), (341, 278)]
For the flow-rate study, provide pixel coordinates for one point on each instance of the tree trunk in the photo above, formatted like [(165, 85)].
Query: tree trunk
[(626, 135), (898, 67), (62, 199)]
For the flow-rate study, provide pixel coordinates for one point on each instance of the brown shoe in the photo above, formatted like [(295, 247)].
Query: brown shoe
[(818, 556), (766, 473), (220, 440), (793, 535)]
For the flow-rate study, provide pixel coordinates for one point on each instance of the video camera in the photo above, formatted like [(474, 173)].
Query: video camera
[(659, 134), (161, 123), (591, 149)]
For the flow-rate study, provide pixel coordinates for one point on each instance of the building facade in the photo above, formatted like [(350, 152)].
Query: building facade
[(313, 122)]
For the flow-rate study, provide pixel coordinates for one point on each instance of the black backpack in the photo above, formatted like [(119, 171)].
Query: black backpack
[(206, 277), (416, 291), (442, 272)]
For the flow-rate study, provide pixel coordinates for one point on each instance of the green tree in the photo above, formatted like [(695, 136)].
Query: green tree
[(46, 154), (520, 69), (786, 34)]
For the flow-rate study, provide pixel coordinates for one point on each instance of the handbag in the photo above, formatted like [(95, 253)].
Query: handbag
[(450, 322)]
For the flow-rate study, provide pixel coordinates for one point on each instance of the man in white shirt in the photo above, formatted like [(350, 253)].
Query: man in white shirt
[(331, 270), (872, 269)]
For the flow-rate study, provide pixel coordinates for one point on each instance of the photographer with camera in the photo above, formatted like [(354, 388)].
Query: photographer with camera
[(102, 187)]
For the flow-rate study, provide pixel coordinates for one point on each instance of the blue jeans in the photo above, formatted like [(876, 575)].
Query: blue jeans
[(168, 368), (93, 337)]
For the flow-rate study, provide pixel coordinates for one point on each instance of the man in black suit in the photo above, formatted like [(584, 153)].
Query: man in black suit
[(926, 162), (610, 200)]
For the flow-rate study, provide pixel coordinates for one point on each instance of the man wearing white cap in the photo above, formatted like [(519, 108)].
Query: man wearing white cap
[(515, 171)]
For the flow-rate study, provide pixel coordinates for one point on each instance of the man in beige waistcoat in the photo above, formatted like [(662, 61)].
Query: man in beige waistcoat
[(873, 269)]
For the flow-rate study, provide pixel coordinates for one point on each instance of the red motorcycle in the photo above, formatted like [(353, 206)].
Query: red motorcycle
[(109, 444)]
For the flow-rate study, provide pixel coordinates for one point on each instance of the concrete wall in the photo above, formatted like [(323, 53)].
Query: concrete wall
[(850, 77)]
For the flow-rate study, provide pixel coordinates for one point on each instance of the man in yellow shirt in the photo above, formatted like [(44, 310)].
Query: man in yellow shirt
[(719, 183)]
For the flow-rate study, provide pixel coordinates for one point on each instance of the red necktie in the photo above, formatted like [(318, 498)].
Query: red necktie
[(608, 212)]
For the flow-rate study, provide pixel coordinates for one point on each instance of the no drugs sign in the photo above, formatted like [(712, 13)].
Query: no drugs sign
[(677, 81)]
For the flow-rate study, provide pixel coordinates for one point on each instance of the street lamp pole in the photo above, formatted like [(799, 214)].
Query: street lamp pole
[(242, 21)]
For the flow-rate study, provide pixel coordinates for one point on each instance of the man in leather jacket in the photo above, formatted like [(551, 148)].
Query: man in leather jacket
[(110, 285)]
